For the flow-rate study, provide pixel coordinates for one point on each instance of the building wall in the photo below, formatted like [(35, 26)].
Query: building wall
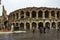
[(0, 21), (19, 17)]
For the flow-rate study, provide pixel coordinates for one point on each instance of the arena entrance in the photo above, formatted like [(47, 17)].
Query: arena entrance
[(34, 25), (59, 25), (16, 28), (53, 25), (21, 26), (47, 25), (40, 25), (27, 26)]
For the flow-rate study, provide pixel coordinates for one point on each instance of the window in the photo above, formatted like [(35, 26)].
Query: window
[(27, 13), (22, 12), (16, 15), (33, 14), (52, 13), (40, 13), (13, 16), (46, 14), (22, 17), (58, 14)]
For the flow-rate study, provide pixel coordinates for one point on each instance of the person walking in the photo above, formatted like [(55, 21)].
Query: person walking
[(44, 30), (40, 29)]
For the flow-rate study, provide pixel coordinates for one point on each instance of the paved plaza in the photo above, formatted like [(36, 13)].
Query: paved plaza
[(49, 35)]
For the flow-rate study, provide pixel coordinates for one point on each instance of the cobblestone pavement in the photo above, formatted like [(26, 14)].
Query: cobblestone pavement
[(49, 35)]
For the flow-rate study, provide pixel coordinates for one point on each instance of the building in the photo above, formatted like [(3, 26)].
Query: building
[(3, 18), (27, 18)]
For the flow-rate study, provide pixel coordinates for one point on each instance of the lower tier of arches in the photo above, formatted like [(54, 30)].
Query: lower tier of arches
[(30, 26)]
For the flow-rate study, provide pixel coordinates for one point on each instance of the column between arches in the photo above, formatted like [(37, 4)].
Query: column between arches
[(24, 25), (30, 26)]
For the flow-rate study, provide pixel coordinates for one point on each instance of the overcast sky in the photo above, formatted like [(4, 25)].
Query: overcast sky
[(11, 5)]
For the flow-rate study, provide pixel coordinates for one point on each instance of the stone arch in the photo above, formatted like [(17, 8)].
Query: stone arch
[(16, 28), (53, 25), (34, 25), (17, 15), (46, 14), (16, 24), (27, 14), (27, 26), (14, 16), (58, 25), (40, 14), (40, 24), (33, 14), (21, 26), (22, 14), (58, 14), (47, 25), (53, 14)]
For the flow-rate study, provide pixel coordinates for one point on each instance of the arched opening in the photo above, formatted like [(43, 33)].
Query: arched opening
[(16, 24), (33, 14), (46, 14), (59, 25), (40, 24), (6, 24), (13, 16), (13, 24), (16, 28), (27, 26), (47, 25), (34, 25), (53, 25), (16, 15), (53, 14), (22, 17), (27, 14), (21, 26), (58, 14), (22, 14), (40, 13)]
